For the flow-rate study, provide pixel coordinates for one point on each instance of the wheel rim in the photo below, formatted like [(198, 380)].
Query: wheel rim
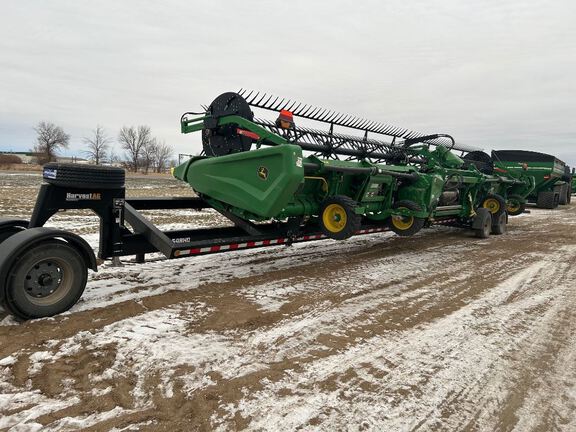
[(334, 218), (492, 204), (402, 222), (48, 281), (513, 206)]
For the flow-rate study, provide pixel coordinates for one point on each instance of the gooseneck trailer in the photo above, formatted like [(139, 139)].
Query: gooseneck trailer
[(276, 182)]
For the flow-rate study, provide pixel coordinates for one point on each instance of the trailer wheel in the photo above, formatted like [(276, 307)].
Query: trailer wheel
[(515, 205), (406, 226), (547, 200), (495, 204), (499, 224), (9, 231), (84, 176), (563, 199), (482, 223), (338, 220), (48, 278)]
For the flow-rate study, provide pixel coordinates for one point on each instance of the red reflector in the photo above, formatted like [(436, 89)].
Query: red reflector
[(248, 134), (500, 170), (286, 115)]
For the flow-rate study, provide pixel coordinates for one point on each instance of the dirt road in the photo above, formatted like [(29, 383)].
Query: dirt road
[(441, 331)]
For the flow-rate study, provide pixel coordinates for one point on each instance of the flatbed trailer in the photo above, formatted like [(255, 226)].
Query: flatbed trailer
[(43, 271)]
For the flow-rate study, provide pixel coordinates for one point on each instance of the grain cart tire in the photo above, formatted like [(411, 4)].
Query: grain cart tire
[(515, 205), (406, 226), (547, 200), (563, 199), (482, 223), (499, 224), (48, 278), (84, 176), (337, 218), (495, 203)]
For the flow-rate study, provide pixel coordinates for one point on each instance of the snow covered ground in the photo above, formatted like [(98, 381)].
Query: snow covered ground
[(441, 331)]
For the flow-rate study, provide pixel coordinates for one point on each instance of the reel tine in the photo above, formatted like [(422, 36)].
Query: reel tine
[(295, 110), (325, 114), (306, 109), (277, 107), (355, 122), (331, 117), (246, 96), (312, 115), (291, 106), (339, 118), (258, 104)]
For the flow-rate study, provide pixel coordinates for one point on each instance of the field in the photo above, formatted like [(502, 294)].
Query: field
[(441, 331)]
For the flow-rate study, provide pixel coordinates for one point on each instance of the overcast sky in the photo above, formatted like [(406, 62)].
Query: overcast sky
[(497, 74)]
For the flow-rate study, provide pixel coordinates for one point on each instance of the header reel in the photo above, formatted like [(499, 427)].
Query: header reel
[(392, 145)]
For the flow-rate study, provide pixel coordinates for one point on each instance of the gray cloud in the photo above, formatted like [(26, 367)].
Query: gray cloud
[(495, 74)]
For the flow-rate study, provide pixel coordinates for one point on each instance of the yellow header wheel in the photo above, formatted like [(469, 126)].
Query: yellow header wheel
[(334, 218), (513, 207), (403, 223), (492, 204)]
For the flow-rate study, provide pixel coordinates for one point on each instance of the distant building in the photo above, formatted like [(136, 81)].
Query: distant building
[(32, 157), (25, 157)]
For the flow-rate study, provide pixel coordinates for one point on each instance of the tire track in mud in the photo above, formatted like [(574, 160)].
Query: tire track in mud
[(315, 324)]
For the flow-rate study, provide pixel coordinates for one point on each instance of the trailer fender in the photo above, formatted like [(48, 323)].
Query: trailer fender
[(19, 242)]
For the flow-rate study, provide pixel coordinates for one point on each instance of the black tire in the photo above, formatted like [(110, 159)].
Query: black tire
[(84, 176), (563, 199), (48, 278), (515, 205), (499, 224), (406, 226), (483, 223), (547, 200), (495, 203), (7, 232), (337, 218)]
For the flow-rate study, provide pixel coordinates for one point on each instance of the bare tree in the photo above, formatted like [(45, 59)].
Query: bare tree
[(50, 139), (133, 140), (162, 157), (98, 145), (149, 151)]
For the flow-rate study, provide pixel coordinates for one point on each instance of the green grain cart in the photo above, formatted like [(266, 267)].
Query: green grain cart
[(553, 180)]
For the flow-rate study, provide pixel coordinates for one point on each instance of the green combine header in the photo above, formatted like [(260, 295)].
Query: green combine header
[(254, 170)]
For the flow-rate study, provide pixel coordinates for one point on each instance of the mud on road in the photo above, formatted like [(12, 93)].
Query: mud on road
[(441, 331)]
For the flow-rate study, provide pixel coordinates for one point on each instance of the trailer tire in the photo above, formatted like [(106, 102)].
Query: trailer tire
[(495, 204), (515, 205), (563, 200), (9, 231), (499, 224), (547, 200), (84, 176), (338, 220), (482, 223), (48, 278), (406, 226)]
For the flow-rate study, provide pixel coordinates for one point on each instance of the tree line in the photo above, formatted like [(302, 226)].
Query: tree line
[(142, 151)]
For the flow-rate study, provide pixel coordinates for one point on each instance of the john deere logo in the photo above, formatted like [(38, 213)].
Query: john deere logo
[(263, 173)]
